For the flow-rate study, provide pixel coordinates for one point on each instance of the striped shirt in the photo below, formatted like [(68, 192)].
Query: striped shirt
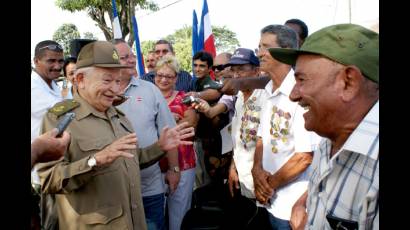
[(347, 185), (184, 80)]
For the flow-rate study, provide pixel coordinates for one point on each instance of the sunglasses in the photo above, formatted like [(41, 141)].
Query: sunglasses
[(218, 67), (52, 47)]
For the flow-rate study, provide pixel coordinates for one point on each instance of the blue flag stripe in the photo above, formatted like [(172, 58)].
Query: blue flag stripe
[(114, 9), (140, 59)]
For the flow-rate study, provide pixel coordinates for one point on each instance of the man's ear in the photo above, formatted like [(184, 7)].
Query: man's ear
[(353, 79), (36, 60), (79, 79)]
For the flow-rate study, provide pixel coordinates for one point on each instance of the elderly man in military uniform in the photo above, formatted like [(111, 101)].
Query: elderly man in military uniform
[(97, 182)]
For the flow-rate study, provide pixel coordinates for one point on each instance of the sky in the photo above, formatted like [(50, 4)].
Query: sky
[(244, 17)]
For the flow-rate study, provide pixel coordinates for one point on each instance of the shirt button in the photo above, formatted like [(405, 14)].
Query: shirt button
[(134, 206), (132, 184)]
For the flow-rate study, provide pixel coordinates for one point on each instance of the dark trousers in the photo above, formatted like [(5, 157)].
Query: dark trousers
[(279, 224), (154, 211)]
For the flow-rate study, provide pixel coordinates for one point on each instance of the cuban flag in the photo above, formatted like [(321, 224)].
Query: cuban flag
[(116, 27), (195, 34), (140, 58), (206, 38)]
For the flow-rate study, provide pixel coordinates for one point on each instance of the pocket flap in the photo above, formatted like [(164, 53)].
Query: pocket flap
[(90, 144), (102, 216)]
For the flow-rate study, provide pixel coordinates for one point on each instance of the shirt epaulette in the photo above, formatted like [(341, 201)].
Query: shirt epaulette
[(63, 107)]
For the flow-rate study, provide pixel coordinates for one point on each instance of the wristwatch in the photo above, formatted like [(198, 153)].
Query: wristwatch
[(92, 161), (174, 169)]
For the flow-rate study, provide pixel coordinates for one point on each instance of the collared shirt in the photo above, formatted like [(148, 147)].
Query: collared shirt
[(229, 102), (245, 124), (149, 113), (184, 80), (199, 83), (103, 195), (283, 134), (69, 87), (347, 185), (42, 98)]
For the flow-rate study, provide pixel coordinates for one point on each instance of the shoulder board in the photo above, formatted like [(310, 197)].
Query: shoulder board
[(63, 107)]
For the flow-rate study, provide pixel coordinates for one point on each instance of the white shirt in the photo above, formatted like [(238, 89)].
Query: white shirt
[(42, 99), (69, 87), (283, 133), (347, 185), (245, 124)]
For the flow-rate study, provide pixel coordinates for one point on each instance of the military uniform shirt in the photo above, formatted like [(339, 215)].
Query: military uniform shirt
[(103, 197)]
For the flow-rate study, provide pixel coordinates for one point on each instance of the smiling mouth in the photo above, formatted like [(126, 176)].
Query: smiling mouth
[(305, 106), (110, 97)]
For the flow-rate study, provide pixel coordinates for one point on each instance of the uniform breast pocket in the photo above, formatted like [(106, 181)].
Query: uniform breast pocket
[(105, 218), (92, 146)]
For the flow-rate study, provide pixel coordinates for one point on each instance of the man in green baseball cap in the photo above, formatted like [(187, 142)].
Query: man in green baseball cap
[(337, 82)]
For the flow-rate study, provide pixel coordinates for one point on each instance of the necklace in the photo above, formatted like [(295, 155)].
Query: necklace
[(170, 95)]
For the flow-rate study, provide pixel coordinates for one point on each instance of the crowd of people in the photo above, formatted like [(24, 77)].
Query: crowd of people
[(150, 152)]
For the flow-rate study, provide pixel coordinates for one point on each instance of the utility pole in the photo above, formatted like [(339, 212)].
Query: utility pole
[(350, 11)]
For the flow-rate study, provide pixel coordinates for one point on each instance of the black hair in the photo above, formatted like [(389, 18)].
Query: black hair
[(303, 27), (204, 56), (39, 51), (67, 61), (286, 37)]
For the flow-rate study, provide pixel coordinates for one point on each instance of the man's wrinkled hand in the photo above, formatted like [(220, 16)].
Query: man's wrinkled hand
[(172, 179), (298, 217), (263, 192), (118, 148), (48, 147), (171, 138), (233, 181)]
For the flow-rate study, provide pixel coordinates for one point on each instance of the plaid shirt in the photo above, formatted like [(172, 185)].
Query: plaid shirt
[(347, 186)]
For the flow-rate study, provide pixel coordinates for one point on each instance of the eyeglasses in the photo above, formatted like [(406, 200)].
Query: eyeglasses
[(218, 67), (53, 47), (164, 51), (168, 77)]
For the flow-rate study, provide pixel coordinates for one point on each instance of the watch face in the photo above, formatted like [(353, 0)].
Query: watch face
[(176, 169), (92, 162)]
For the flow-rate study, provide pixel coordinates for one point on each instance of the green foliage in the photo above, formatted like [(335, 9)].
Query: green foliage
[(225, 40), (64, 34), (97, 9), (147, 46)]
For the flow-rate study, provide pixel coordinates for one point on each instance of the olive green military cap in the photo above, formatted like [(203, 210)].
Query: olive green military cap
[(100, 54), (347, 44)]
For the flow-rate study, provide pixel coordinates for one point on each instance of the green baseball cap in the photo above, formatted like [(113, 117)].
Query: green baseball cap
[(99, 54), (347, 44)]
